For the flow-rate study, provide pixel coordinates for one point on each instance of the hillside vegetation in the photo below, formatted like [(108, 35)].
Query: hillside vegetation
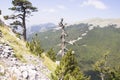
[(16, 59), (18, 45), (98, 42), (92, 45)]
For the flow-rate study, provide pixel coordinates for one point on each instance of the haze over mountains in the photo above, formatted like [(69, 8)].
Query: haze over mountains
[(41, 28), (102, 22), (90, 39), (95, 22)]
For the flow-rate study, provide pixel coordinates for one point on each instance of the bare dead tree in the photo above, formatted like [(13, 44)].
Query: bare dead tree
[(63, 41)]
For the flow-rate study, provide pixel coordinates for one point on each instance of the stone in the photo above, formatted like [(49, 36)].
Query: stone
[(2, 70), (22, 71), (57, 62), (25, 74)]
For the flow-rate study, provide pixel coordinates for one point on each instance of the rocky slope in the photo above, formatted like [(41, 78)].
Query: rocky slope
[(16, 62)]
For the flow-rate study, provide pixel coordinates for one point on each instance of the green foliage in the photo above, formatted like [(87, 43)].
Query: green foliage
[(54, 36), (114, 74), (105, 71), (68, 69), (20, 57), (51, 54), (23, 9), (18, 35), (102, 68), (6, 17), (20, 5), (1, 23), (35, 47), (91, 47)]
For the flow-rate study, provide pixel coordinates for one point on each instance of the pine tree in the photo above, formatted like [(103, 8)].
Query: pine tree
[(114, 74), (34, 46), (68, 69), (23, 9), (51, 54), (101, 67)]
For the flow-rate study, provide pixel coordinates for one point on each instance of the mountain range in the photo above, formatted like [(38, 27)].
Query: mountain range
[(90, 40), (40, 28)]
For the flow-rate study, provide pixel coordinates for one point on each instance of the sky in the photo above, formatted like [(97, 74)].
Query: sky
[(73, 11)]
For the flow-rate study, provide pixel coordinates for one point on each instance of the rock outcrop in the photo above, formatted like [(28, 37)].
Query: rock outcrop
[(12, 68)]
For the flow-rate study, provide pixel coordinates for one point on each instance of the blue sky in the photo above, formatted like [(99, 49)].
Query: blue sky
[(71, 10)]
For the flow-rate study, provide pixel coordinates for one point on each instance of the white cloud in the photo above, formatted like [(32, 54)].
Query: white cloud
[(50, 10), (95, 3), (61, 6), (53, 10)]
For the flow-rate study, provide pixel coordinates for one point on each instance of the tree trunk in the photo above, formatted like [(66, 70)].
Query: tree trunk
[(24, 25), (63, 42), (63, 35), (24, 34), (102, 76)]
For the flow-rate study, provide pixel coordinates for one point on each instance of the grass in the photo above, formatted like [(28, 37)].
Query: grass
[(1, 74), (2, 64), (20, 57), (49, 63), (20, 49), (18, 45)]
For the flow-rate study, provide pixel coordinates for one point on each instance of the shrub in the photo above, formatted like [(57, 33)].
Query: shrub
[(35, 47), (68, 69), (51, 54)]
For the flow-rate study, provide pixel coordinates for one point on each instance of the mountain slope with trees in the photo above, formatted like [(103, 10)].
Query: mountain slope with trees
[(89, 44)]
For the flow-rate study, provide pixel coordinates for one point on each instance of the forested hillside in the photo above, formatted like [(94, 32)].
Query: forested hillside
[(89, 44)]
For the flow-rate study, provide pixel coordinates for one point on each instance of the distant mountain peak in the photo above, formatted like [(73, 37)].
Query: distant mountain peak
[(102, 22), (41, 28)]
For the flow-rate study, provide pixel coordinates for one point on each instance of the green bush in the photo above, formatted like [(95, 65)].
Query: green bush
[(105, 71), (35, 47), (68, 69), (51, 54)]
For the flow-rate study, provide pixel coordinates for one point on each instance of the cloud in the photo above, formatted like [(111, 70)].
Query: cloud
[(95, 3), (61, 7), (53, 10), (50, 10)]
